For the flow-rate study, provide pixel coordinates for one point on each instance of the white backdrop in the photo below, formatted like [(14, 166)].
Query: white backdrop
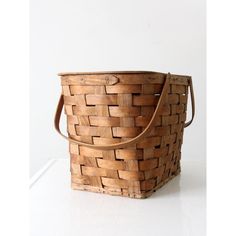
[(79, 35)]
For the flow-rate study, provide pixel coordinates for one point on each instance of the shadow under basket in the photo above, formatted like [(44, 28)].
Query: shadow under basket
[(125, 129)]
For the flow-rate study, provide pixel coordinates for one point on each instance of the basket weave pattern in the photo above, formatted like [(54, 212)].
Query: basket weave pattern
[(101, 113)]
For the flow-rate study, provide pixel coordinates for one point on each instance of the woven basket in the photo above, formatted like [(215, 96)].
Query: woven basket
[(125, 129)]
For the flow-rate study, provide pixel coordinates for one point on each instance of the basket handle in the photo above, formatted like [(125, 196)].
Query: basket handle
[(125, 143), (192, 103)]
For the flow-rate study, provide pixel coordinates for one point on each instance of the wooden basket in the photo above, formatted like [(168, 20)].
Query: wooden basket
[(125, 129)]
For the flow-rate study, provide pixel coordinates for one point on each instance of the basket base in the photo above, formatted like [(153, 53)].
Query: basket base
[(142, 195)]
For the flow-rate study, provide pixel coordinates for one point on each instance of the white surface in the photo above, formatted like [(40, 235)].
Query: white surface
[(79, 35), (177, 209)]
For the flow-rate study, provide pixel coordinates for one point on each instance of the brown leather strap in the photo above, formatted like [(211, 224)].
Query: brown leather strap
[(128, 142), (192, 103)]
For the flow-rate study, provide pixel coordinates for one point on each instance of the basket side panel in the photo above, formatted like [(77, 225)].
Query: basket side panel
[(105, 114)]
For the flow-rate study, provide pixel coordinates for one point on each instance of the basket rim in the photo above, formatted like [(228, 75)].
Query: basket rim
[(108, 72), (158, 74)]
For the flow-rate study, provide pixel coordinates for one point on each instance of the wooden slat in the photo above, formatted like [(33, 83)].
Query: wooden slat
[(173, 98), (128, 132), (80, 179), (142, 121), (131, 175), (84, 90), (87, 131), (83, 120), (104, 141), (129, 154), (149, 142), (176, 109), (85, 151), (151, 78), (160, 131), (89, 80), (165, 110), (104, 121), (74, 100), (83, 138), (124, 111), (148, 164), (147, 111), (79, 89), (182, 117), (122, 78), (132, 165), (180, 89), (148, 153), (72, 119), (154, 172), (145, 100), (105, 132), (68, 109), (84, 110), (158, 152), (169, 139), (152, 88), (127, 121), (84, 160), (66, 90), (183, 99), (101, 99), (169, 120), (121, 88), (124, 100), (141, 78), (92, 171), (148, 184), (120, 183), (110, 164), (73, 148), (176, 128)]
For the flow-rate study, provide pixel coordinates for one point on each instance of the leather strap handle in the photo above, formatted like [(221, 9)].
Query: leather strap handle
[(192, 103), (125, 143)]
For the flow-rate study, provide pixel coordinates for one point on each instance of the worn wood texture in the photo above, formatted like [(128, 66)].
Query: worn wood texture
[(103, 111)]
